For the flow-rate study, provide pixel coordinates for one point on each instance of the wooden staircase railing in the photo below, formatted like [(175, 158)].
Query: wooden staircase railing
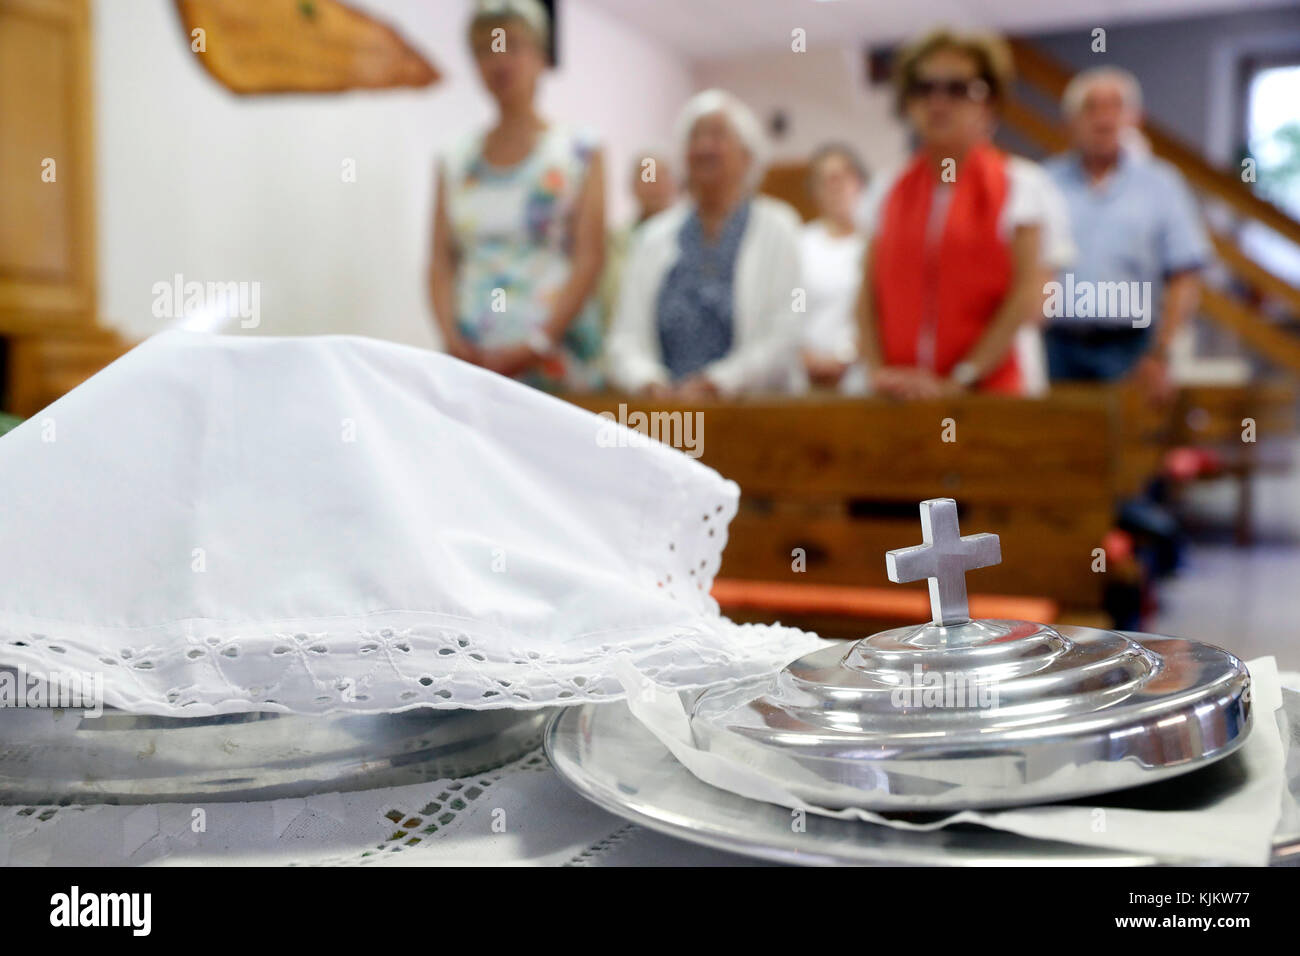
[(1250, 324), (1051, 77), (1255, 275), (1251, 327)]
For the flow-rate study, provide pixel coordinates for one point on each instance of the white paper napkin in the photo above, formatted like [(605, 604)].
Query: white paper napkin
[(1234, 826)]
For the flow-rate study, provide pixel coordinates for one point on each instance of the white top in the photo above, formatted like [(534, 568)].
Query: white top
[(832, 275), (1033, 199), (765, 326), (1057, 251)]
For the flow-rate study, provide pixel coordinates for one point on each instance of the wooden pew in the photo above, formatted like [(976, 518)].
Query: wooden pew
[(1214, 418), (836, 482)]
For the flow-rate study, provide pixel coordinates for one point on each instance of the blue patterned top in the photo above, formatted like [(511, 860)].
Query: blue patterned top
[(694, 308)]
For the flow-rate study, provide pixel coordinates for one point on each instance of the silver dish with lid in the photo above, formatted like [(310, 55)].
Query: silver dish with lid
[(59, 756), (959, 714)]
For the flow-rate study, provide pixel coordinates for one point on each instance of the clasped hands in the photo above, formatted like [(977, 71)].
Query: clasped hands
[(507, 360), (904, 382), (696, 388)]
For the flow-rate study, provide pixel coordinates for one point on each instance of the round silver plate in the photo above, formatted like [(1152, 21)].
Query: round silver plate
[(980, 714), (50, 756), (606, 754)]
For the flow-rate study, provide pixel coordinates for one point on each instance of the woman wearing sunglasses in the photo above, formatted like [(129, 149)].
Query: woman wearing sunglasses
[(952, 263)]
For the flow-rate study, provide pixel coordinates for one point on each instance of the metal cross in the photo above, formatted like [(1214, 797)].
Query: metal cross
[(944, 560)]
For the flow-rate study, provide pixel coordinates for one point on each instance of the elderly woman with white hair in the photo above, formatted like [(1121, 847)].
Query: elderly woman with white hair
[(708, 297), (519, 230)]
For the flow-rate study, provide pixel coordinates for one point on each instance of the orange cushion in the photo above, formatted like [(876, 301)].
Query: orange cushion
[(875, 603)]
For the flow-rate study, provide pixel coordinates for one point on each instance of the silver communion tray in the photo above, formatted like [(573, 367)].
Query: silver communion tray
[(999, 713), (961, 714), (609, 757), (51, 756)]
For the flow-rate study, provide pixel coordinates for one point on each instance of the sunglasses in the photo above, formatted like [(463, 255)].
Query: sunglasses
[(976, 89)]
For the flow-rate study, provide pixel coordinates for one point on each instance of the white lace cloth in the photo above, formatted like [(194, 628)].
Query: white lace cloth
[(521, 814), (216, 524)]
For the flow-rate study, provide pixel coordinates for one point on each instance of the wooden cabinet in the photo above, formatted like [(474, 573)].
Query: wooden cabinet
[(47, 232), (47, 201)]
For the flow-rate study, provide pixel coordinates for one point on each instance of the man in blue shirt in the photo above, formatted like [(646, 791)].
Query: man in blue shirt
[(1140, 242)]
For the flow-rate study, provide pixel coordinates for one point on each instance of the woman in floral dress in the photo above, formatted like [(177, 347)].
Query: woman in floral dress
[(519, 226)]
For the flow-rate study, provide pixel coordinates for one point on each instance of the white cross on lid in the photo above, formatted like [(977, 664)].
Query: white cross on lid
[(944, 560)]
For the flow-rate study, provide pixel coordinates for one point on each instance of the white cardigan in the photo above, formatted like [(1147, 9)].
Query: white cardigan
[(765, 351)]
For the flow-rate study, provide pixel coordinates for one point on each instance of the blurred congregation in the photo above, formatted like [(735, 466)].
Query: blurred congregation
[(965, 270), (913, 282)]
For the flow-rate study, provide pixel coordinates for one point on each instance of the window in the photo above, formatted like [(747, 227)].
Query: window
[(1270, 134), (1272, 130)]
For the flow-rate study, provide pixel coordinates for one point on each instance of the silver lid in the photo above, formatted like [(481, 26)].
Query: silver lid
[(960, 713)]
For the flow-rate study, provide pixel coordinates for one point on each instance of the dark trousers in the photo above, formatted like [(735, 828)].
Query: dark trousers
[(1093, 353), (1107, 354)]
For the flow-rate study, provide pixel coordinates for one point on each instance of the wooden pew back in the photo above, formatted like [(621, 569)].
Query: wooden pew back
[(830, 484)]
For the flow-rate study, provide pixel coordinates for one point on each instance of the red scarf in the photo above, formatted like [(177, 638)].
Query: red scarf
[(934, 300)]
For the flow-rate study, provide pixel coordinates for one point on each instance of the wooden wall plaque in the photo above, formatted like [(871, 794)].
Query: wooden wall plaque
[(299, 46)]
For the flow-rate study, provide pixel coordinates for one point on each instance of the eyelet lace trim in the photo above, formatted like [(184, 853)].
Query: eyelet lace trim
[(691, 548), (398, 660), (386, 662)]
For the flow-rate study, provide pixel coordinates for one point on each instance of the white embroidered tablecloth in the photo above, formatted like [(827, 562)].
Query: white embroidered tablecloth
[(522, 813)]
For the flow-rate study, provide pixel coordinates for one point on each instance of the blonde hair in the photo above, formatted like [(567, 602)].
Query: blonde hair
[(990, 52)]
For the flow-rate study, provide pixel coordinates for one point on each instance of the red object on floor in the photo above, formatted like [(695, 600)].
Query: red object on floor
[(874, 603), (1182, 464), (1187, 463), (1118, 546)]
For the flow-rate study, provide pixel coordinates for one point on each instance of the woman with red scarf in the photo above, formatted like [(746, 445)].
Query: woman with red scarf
[(951, 269)]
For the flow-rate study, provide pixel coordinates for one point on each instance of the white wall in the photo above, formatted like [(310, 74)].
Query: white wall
[(197, 181), (824, 94)]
